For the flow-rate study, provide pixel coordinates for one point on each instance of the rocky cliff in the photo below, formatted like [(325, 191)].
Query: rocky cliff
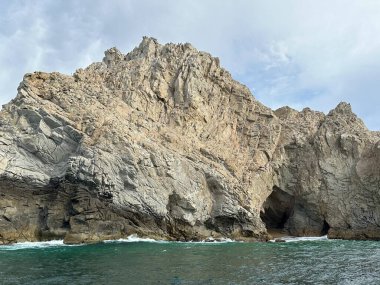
[(162, 142)]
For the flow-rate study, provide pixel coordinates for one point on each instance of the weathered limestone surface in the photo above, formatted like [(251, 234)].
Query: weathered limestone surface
[(163, 142), (332, 171)]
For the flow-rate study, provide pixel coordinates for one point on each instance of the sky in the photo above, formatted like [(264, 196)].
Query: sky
[(300, 53)]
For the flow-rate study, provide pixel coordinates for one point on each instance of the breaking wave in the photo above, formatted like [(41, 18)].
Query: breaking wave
[(28, 245), (136, 238), (298, 239), (132, 238)]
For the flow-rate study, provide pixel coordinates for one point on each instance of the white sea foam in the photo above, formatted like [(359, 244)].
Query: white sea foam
[(131, 238), (297, 239), (219, 240), (136, 238), (28, 245)]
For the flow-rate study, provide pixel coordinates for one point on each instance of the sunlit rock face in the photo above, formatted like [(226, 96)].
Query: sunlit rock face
[(162, 142)]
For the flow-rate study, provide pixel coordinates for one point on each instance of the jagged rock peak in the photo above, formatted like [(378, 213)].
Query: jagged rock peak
[(285, 112), (147, 48), (342, 108), (151, 49), (344, 118), (112, 56)]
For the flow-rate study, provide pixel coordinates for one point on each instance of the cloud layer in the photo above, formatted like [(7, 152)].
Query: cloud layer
[(297, 52)]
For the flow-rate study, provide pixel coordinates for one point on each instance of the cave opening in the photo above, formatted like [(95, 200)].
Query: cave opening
[(277, 209), (325, 228)]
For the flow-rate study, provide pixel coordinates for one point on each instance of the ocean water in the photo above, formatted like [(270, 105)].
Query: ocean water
[(144, 261)]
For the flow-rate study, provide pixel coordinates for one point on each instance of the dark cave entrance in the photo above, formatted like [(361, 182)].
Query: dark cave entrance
[(277, 209), (325, 228)]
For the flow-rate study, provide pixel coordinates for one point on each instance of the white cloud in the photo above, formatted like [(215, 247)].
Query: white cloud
[(296, 52)]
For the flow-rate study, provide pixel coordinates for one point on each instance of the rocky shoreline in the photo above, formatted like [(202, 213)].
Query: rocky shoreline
[(162, 142)]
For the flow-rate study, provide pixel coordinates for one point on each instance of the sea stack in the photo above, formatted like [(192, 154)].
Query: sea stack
[(163, 142)]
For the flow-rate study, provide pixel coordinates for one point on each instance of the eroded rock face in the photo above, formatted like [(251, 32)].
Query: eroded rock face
[(163, 142), (331, 168)]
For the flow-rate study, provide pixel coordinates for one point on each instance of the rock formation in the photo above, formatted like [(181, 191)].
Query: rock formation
[(162, 142)]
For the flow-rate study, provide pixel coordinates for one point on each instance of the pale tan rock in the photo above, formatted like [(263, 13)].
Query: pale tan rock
[(163, 142)]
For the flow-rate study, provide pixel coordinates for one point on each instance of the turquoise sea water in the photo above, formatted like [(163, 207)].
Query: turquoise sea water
[(298, 262)]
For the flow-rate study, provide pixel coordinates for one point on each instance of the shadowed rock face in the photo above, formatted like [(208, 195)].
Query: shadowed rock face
[(277, 209), (163, 142)]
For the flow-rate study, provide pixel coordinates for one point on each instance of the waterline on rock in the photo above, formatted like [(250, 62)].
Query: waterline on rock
[(298, 239), (28, 245), (136, 238)]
